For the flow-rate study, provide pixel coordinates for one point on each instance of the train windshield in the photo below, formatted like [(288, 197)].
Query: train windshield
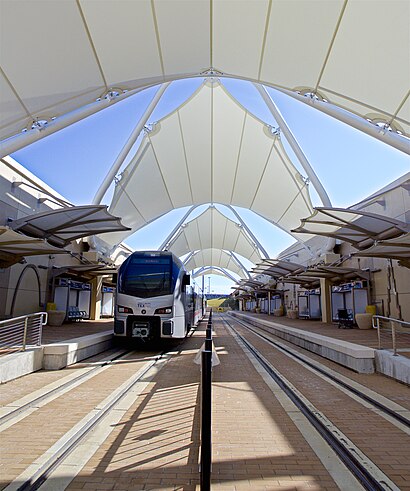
[(147, 276)]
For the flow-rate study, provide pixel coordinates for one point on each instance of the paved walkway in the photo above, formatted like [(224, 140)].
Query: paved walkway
[(364, 337), (71, 330)]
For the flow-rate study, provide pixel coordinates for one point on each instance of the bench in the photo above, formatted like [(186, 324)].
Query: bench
[(75, 314)]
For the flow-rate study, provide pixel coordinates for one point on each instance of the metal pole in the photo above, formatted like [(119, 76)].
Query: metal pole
[(17, 142), (378, 332), (248, 230), (206, 421), (128, 145), (176, 228), (321, 191), (25, 333), (389, 137), (393, 334)]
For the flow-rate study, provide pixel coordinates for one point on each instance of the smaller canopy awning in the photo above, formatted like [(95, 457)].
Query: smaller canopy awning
[(398, 248), (359, 228), (62, 226), (14, 247), (277, 268), (92, 269)]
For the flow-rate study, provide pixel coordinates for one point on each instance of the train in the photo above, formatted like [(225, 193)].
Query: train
[(155, 300)]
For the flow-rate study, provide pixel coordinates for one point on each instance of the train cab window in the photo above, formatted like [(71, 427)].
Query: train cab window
[(145, 276)]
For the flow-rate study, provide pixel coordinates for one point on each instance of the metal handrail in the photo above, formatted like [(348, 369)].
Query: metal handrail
[(393, 322), (18, 332)]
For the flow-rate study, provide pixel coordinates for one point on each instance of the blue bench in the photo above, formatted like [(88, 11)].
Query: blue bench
[(75, 314)]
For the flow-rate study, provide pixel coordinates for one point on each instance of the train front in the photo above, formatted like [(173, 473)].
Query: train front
[(150, 298)]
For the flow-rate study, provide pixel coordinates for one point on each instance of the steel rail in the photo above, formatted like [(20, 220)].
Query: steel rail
[(363, 475), (41, 476), (34, 402), (390, 412)]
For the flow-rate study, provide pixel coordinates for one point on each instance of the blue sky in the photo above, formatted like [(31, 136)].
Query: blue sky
[(350, 165)]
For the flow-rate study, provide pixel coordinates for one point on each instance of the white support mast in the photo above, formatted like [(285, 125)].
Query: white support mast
[(321, 191), (128, 145)]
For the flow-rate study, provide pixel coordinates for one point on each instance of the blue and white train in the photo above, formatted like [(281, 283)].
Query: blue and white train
[(154, 299)]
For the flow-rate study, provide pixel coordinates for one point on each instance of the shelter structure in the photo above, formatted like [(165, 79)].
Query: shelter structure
[(210, 149)]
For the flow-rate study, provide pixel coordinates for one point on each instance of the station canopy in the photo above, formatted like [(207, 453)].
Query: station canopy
[(398, 248), (59, 56), (276, 268), (60, 227), (213, 230), (215, 257), (14, 247), (361, 229), (210, 150)]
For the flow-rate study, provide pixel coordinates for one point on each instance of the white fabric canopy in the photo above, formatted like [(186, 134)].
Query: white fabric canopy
[(59, 56), (217, 258), (213, 230), (210, 150)]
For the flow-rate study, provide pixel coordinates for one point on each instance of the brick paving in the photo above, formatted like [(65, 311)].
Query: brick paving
[(26, 440), (364, 337), (71, 330), (381, 441), (392, 389), (256, 446)]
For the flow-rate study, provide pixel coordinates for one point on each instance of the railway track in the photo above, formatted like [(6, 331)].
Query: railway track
[(36, 475), (17, 411), (383, 405), (366, 472)]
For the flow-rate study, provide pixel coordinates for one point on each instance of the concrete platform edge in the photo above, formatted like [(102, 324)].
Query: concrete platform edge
[(397, 367), (53, 356), (358, 358)]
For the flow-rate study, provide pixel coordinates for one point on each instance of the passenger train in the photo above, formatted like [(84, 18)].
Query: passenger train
[(154, 299)]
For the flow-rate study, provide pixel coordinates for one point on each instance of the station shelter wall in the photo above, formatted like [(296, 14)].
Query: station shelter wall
[(393, 202)]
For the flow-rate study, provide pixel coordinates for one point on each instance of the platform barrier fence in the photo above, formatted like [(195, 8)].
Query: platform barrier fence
[(23, 331), (392, 333)]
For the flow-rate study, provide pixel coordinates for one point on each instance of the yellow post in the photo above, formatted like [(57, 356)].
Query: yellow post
[(96, 298), (326, 300)]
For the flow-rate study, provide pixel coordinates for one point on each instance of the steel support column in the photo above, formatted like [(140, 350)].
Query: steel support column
[(128, 145)]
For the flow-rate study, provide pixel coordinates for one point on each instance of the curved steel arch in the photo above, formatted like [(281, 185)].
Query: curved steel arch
[(203, 271)]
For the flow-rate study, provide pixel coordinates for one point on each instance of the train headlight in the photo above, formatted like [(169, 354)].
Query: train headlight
[(164, 310), (124, 310)]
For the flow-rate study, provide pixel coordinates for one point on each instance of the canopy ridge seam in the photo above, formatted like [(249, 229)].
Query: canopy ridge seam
[(212, 146), (265, 35), (399, 108), (211, 33), (185, 156), (154, 17), (16, 94), (90, 40), (262, 176), (131, 201), (160, 171), (239, 154), (291, 203), (359, 103), (286, 162), (332, 41)]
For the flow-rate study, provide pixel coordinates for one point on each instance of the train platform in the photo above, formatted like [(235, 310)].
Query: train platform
[(151, 440), (60, 346), (353, 348)]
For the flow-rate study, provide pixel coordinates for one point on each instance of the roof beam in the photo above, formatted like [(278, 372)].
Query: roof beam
[(128, 145), (314, 179)]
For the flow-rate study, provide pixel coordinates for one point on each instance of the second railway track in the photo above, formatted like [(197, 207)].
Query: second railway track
[(369, 474)]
